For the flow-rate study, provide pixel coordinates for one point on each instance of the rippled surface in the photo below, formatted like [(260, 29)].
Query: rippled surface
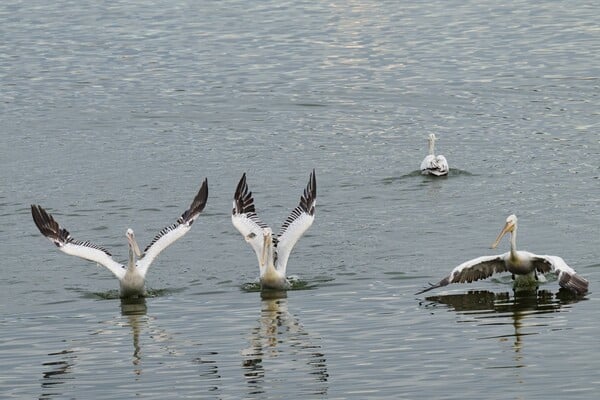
[(112, 114)]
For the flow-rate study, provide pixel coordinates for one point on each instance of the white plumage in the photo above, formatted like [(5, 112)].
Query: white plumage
[(131, 276), (273, 252), (432, 164), (522, 265)]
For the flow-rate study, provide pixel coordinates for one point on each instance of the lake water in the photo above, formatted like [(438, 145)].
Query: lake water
[(113, 113)]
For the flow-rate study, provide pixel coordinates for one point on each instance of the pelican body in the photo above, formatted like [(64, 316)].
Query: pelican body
[(432, 164), (131, 276), (523, 265), (273, 251)]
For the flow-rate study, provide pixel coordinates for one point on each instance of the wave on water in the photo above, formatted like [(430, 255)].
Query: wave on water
[(295, 282), (115, 294), (417, 173)]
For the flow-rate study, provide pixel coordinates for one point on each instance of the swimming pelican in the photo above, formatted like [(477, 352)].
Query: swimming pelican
[(432, 164), (273, 252), (132, 276), (524, 264)]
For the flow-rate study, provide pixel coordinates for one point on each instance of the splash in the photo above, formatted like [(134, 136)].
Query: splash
[(115, 294), (295, 284)]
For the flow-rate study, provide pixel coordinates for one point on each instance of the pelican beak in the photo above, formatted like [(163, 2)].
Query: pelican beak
[(265, 250), (508, 227), (133, 243)]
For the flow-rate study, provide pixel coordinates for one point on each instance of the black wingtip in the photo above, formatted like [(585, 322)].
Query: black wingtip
[(307, 200), (441, 283), (47, 225), (202, 196), (427, 289), (199, 201), (574, 283), (42, 219), (243, 201), (241, 187)]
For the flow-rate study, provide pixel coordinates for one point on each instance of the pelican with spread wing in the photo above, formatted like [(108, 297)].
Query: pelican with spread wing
[(523, 265), (273, 251), (131, 276), (432, 164)]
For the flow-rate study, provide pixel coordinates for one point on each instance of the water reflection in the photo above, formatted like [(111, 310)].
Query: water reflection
[(490, 308), (56, 372), (135, 312), (134, 309), (521, 301), (279, 348)]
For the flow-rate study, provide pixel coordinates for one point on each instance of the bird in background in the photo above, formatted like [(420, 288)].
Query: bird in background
[(432, 164)]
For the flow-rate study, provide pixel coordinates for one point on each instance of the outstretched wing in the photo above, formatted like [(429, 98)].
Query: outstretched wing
[(296, 223), (244, 218), (567, 277), (472, 270), (65, 243), (171, 233)]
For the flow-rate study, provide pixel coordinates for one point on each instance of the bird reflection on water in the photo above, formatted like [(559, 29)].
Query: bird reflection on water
[(280, 344), (57, 373), (134, 309), (489, 308)]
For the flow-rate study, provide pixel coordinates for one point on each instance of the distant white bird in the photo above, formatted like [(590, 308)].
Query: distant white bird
[(522, 264), (432, 164), (273, 252), (132, 276)]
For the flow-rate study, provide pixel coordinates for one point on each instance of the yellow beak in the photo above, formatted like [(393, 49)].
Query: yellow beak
[(265, 253), (507, 228), (134, 245)]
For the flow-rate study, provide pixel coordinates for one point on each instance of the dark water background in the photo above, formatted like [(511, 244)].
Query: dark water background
[(113, 113)]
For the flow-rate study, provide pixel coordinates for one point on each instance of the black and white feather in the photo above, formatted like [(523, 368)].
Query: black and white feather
[(132, 275), (65, 243), (523, 265), (254, 231), (171, 233)]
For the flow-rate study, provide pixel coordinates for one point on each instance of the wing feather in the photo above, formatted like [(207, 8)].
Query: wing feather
[(168, 235), (435, 165), (472, 270), (567, 277), (300, 219), (65, 243), (244, 218)]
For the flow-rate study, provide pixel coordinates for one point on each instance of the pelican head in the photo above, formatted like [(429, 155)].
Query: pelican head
[(132, 242), (509, 226), (267, 245)]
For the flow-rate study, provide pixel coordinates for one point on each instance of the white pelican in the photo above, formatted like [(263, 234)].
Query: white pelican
[(273, 252), (432, 164), (524, 264), (132, 276)]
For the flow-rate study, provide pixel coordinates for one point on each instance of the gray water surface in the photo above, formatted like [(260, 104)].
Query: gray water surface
[(113, 113)]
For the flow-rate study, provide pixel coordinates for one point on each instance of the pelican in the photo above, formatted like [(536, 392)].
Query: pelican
[(273, 252), (132, 276), (432, 164), (523, 264)]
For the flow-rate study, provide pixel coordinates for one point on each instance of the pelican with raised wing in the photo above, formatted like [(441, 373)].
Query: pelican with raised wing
[(273, 252), (131, 276), (523, 265), (432, 164)]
